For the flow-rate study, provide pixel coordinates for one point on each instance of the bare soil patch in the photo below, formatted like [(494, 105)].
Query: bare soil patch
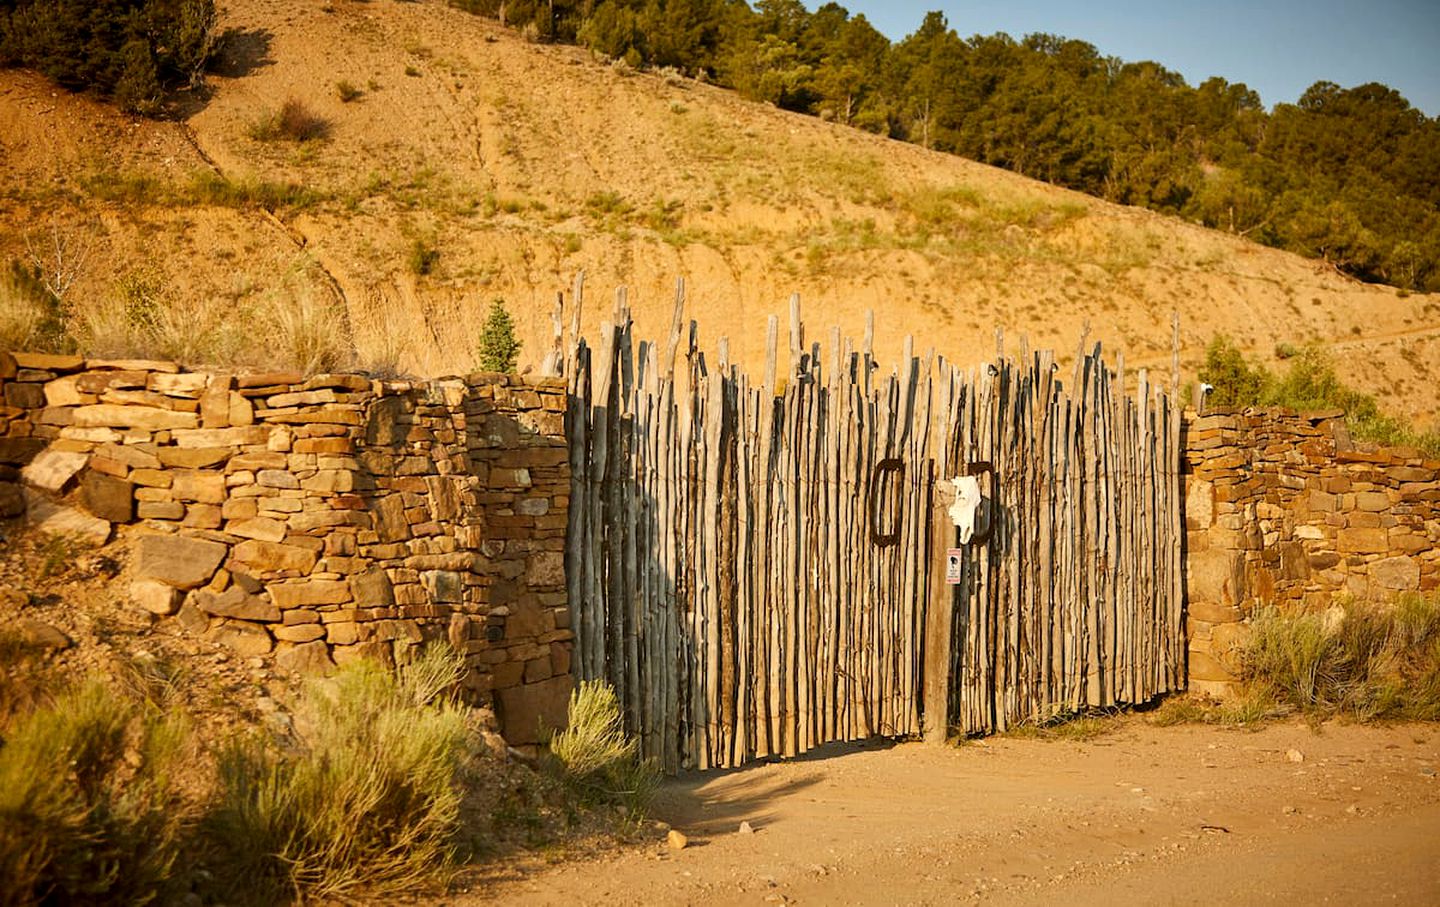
[(1180, 815)]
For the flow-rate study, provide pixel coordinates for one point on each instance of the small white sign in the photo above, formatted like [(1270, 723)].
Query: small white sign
[(952, 566)]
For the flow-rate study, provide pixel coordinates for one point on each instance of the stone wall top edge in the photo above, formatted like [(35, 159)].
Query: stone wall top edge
[(1269, 412), (66, 364)]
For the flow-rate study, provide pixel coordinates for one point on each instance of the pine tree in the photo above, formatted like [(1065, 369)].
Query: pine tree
[(498, 347)]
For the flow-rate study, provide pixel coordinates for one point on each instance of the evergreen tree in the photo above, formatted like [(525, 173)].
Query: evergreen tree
[(128, 50), (498, 347)]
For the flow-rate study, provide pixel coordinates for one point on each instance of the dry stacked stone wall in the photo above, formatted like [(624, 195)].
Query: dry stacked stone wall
[(1281, 508), (314, 520)]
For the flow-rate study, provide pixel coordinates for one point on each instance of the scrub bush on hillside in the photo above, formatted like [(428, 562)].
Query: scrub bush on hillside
[(127, 50)]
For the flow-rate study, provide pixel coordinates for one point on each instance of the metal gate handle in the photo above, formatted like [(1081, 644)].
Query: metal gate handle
[(882, 470), (982, 467)]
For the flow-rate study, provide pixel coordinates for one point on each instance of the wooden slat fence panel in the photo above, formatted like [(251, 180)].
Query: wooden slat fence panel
[(724, 563)]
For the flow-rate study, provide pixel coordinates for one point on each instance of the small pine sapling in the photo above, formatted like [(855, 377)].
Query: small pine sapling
[(498, 347)]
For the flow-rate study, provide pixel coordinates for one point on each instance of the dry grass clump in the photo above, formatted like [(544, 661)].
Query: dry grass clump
[(20, 318), (293, 122), (31, 317), (367, 800), (89, 808), (1248, 708), (1075, 727), (1361, 661), (143, 319), (599, 761), (292, 327), (347, 91), (306, 332)]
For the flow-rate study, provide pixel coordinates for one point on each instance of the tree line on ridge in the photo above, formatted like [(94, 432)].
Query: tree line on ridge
[(1347, 175)]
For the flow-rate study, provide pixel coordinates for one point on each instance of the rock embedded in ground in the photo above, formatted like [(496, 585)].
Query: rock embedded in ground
[(243, 638), (42, 635), (236, 603), (305, 658), (155, 597), (107, 497), (676, 840)]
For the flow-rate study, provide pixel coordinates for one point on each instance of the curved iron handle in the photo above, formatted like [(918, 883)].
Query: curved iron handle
[(883, 469), (983, 467)]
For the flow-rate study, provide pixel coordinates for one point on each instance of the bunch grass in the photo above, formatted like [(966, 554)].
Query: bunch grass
[(598, 760), (367, 800)]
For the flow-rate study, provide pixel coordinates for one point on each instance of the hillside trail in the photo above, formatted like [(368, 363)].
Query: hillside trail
[(1144, 814)]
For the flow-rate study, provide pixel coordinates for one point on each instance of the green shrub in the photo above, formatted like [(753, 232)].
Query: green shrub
[(370, 801), (422, 257), (600, 763), (1233, 381), (128, 50), (89, 808), (1309, 383), (498, 346), (347, 91)]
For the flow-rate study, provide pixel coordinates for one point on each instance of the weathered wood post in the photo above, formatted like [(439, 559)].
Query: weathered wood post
[(940, 615)]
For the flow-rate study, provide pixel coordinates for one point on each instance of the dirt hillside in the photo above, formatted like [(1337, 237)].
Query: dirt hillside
[(470, 165)]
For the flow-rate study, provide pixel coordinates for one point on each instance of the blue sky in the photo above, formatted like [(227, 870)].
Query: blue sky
[(1277, 47)]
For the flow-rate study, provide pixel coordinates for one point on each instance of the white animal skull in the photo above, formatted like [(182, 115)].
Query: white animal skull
[(967, 501)]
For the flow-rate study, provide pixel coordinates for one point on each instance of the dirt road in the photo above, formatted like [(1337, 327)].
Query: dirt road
[(1182, 815)]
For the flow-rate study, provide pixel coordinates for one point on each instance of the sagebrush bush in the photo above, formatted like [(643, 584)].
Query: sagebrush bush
[(369, 800), (90, 811), (600, 762)]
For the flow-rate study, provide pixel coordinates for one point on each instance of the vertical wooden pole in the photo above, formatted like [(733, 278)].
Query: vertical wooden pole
[(940, 616)]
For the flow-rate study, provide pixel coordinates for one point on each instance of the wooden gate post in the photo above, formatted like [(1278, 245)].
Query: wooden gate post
[(940, 615)]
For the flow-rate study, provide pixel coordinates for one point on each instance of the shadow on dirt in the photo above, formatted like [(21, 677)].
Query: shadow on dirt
[(706, 804), (241, 52)]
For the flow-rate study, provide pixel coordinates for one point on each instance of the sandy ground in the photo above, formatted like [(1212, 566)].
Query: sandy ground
[(1182, 815)]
